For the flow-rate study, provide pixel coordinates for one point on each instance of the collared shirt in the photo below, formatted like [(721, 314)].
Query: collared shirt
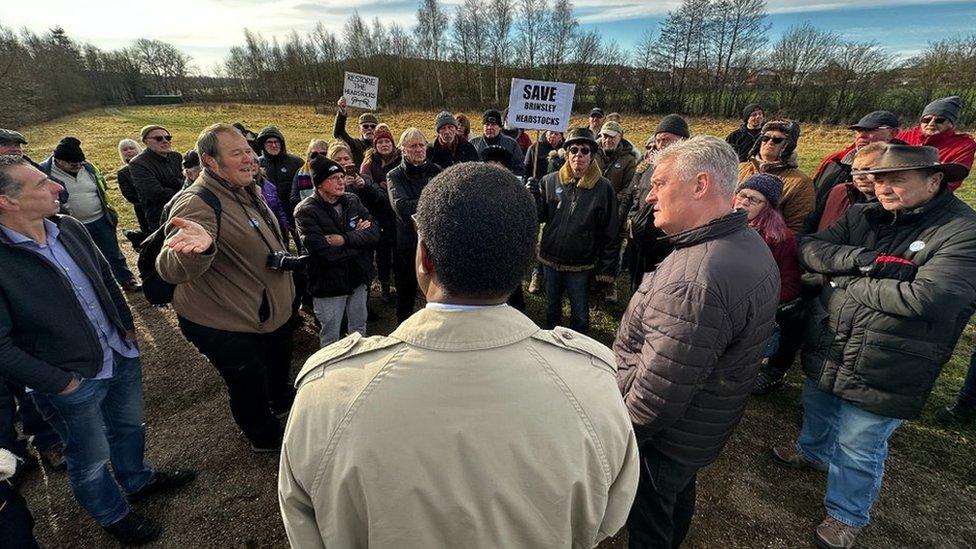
[(56, 254), (450, 307)]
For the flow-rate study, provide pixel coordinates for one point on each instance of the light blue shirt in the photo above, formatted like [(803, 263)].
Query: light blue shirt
[(452, 308), (56, 254)]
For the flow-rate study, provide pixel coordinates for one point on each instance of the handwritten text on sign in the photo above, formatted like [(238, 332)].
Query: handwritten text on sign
[(539, 105), (360, 90)]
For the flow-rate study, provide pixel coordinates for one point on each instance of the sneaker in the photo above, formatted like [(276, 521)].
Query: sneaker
[(162, 482), (956, 415), (54, 457), (131, 286), (834, 534), (134, 529), (535, 285), (789, 456), (767, 381), (266, 448)]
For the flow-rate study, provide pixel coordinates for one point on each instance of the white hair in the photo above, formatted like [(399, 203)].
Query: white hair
[(411, 134), (128, 142), (704, 154)]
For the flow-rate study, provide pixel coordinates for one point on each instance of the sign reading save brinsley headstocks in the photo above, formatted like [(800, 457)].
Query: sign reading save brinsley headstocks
[(360, 90), (539, 105)]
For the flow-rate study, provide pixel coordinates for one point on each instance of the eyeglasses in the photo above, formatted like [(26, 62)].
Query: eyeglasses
[(938, 119), (749, 200), (368, 126), (775, 140), (161, 138), (579, 150)]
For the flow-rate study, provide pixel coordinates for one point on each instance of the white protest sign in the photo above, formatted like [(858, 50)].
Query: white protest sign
[(360, 90), (539, 105)]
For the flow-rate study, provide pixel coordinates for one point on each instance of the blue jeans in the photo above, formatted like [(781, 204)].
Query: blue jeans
[(854, 443), (576, 284), (967, 395), (102, 421), (103, 233)]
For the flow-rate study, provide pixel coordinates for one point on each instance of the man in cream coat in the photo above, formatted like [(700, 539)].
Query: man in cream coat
[(468, 425)]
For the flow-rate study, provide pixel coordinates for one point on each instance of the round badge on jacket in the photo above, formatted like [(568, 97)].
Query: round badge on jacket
[(284, 170), (916, 246)]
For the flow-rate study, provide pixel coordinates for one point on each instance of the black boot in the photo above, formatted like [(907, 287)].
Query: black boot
[(134, 529), (957, 414)]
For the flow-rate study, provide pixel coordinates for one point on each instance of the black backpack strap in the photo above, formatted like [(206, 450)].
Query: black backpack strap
[(211, 199)]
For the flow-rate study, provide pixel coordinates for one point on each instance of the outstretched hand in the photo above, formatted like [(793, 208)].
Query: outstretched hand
[(191, 238)]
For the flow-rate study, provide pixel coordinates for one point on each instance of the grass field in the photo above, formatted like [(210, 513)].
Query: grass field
[(929, 495)]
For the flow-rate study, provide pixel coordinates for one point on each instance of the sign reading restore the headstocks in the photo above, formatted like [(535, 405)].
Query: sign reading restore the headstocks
[(360, 90)]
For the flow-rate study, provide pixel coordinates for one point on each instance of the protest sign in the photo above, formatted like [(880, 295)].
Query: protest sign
[(360, 90), (540, 105)]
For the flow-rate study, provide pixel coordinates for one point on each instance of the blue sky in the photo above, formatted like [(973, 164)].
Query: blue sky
[(206, 29)]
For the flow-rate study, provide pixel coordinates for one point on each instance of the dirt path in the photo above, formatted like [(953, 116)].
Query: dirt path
[(743, 499)]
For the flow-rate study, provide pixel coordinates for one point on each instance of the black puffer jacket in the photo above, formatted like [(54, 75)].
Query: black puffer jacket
[(405, 182), (336, 270), (581, 223), (281, 167), (690, 343), (445, 157), (880, 343)]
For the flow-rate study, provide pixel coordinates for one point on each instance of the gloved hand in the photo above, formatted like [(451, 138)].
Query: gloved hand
[(532, 185), (887, 266)]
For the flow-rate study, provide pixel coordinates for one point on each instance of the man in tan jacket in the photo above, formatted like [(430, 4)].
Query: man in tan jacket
[(232, 303), (468, 425)]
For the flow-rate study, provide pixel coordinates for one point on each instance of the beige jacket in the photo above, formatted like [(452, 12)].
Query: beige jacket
[(461, 429), (230, 288)]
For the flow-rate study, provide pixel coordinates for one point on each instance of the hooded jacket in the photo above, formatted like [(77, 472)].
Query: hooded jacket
[(461, 428), (743, 139), (280, 168), (689, 346), (954, 147), (581, 225), (798, 198), (880, 343), (336, 270)]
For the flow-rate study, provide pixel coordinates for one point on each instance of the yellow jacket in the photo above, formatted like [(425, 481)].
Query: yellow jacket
[(465, 428)]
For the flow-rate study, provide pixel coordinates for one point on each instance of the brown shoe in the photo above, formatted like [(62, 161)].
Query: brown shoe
[(789, 456), (834, 534), (536, 284)]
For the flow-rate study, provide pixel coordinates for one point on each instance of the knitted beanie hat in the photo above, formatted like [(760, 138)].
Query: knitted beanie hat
[(768, 185), (949, 107), (673, 123), (323, 168), (445, 119), (69, 150), (383, 132)]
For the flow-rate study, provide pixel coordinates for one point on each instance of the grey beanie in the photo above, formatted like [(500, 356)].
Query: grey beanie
[(443, 119), (673, 123), (949, 107)]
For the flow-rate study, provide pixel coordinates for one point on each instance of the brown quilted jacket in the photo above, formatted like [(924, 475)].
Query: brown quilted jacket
[(689, 346)]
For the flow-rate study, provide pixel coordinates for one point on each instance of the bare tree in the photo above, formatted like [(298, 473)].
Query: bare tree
[(532, 19), (801, 53), (431, 26), (499, 16), (559, 34)]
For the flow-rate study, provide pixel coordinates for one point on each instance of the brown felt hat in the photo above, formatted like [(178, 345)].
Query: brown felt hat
[(900, 158), (146, 129)]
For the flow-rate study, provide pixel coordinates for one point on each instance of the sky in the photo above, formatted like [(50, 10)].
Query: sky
[(206, 29)]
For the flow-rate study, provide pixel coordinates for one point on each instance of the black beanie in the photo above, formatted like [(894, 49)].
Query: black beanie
[(493, 116), (673, 123), (191, 159), (69, 150), (324, 167), (949, 107), (748, 110)]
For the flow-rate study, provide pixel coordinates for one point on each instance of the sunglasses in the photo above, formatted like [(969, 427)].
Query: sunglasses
[(775, 140), (368, 126), (579, 150), (938, 119), (161, 138)]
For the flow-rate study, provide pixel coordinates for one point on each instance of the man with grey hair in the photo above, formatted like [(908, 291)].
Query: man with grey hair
[(233, 286), (689, 346)]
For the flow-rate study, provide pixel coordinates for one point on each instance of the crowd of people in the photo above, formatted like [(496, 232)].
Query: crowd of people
[(472, 422)]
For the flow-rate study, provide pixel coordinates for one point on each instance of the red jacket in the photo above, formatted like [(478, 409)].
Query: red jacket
[(831, 157), (954, 148), (789, 268)]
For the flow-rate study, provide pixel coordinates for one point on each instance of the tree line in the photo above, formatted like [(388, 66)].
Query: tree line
[(706, 58)]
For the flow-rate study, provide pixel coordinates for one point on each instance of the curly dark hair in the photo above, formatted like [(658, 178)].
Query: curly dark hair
[(479, 225)]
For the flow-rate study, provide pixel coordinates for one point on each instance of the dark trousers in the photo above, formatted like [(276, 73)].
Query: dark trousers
[(967, 395), (16, 522), (141, 218), (384, 263), (13, 402), (103, 233), (790, 340), (256, 369), (406, 284), (665, 502), (576, 286)]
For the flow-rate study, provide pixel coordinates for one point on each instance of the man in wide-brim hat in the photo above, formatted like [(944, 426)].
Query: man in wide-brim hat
[(902, 286)]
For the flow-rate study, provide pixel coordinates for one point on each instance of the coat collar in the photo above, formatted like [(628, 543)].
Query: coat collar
[(589, 179), (906, 217), (472, 330), (715, 228)]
